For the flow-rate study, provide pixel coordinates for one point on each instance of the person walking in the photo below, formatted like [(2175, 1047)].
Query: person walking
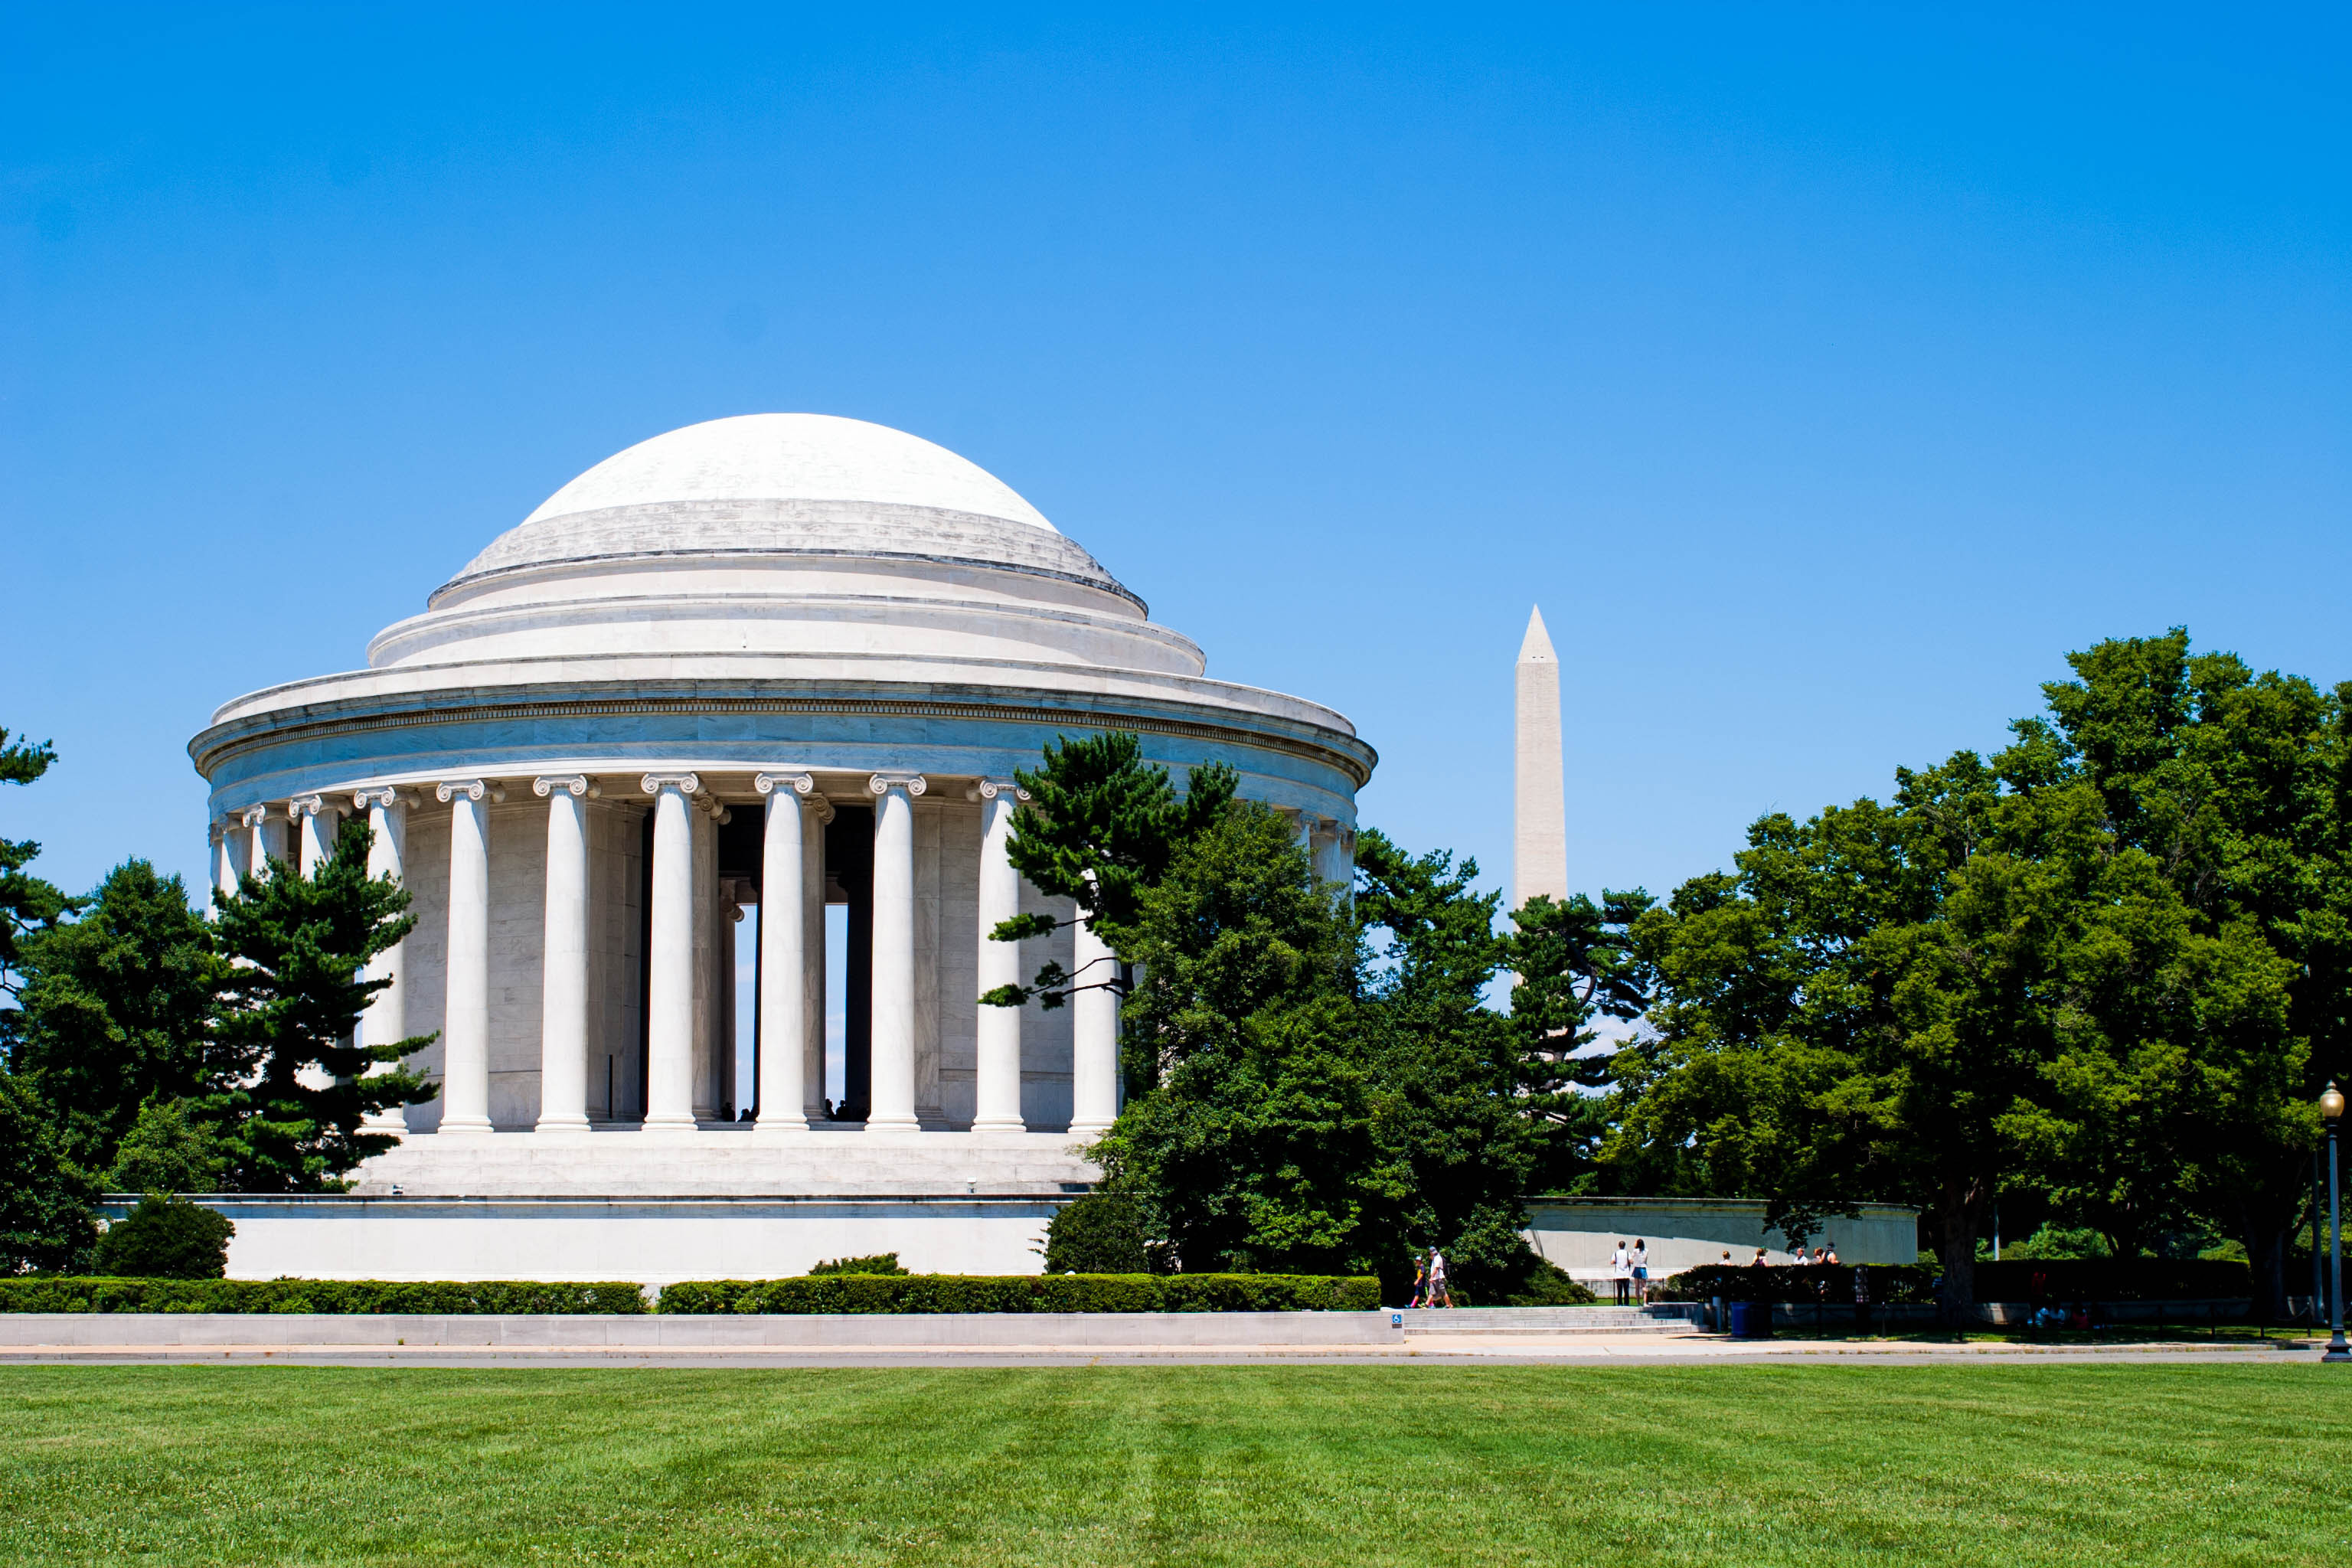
[(1420, 1281), (1620, 1271), (1641, 1261), (1439, 1296)]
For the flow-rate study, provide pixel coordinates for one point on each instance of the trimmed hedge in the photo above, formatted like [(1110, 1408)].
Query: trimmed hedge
[(1027, 1293), (371, 1296), (1889, 1282), (2066, 1280)]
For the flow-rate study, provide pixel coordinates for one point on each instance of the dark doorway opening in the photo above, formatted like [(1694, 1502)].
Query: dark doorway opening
[(849, 880)]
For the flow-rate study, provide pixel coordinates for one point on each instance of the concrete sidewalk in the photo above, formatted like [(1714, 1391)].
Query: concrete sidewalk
[(1452, 1350)]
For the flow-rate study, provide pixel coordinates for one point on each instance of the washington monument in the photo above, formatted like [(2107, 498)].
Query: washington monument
[(1538, 802)]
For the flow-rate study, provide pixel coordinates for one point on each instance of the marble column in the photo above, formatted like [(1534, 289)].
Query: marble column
[(265, 840), (996, 1082), (893, 1107), (670, 989), (386, 1019), (1094, 1034), (563, 965), (466, 1017), (227, 854), (316, 824), (784, 941)]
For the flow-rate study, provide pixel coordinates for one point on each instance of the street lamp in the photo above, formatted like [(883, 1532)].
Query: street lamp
[(2331, 1112)]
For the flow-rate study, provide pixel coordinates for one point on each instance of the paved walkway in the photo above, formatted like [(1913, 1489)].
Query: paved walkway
[(1449, 1350)]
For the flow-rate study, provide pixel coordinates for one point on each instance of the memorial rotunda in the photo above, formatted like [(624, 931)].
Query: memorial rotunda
[(742, 671)]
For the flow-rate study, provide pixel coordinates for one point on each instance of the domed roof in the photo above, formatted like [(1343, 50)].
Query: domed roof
[(785, 485), (791, 456)]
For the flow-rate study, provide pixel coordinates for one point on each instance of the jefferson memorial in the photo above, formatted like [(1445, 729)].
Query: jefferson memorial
[(776, 669)]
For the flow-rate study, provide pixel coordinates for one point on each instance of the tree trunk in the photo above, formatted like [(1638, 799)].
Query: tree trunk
[(2266, 1242), (1959, 1214)]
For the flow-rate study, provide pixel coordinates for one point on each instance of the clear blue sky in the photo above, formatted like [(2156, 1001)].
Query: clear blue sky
[(1825, 374)]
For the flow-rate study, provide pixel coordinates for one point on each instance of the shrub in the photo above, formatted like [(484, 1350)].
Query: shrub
[(881, 1263), (1025, 1293), (1889, 1282), (366, 1296), (2071, 1280), (2113, 1280), (168, 1152), (165, 1237), (1099, 1233), (1549, 1285)]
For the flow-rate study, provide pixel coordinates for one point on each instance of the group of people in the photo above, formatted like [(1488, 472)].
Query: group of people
[(1429, 1286), (1630, 1269)]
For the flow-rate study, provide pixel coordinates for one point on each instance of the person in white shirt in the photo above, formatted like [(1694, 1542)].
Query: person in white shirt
[(1639, 1260), (1438, 1294), (1620, 1269)]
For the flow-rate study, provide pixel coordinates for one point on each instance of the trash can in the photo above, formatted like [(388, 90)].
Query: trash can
[(1751, 1319)]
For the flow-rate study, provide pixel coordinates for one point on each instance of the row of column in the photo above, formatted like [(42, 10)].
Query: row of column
[(791, 953)]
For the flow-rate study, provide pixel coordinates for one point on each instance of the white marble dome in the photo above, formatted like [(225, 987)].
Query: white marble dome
[(791, 535), (790, 457)]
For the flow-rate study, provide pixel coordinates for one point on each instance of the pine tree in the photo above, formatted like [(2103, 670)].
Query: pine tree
[(290, 1087), (1100, 826), (27, 902)]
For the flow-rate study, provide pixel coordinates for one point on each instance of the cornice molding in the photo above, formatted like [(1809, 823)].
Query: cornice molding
[(1349, 756)]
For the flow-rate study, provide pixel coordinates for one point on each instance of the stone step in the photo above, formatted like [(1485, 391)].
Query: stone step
[(1671, 1318)]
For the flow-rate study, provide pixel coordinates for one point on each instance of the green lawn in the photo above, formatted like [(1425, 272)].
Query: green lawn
[(1998, 1465)]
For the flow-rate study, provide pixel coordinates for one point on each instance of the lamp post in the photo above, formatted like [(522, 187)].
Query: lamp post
[(2331, 1112)]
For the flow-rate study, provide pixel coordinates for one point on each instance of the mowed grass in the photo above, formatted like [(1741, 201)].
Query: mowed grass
[(1748, 1465)]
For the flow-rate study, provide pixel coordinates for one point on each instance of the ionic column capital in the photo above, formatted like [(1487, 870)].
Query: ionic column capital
[(569, 784), (472, 789), (802, 785), (988, 789), (384, 795), (687, 784), (883, 783), (254, 816), (215, 830), (309, 806)]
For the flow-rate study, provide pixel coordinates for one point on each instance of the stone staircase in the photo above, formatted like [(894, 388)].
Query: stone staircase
[(1661, 1318)]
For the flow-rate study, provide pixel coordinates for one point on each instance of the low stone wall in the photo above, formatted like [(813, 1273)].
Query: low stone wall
[(1579, 1234), (231, 1331), (659, 1240)]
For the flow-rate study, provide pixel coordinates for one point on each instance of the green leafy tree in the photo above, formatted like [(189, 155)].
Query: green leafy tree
[(2238, 786), (1100, 826), (47, 1204), (117, 1008), (165, 1237), (168, 1150), (289, 1089), (1448, 1064), (1902, 1002), (26, 903), (1266, 1141)]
